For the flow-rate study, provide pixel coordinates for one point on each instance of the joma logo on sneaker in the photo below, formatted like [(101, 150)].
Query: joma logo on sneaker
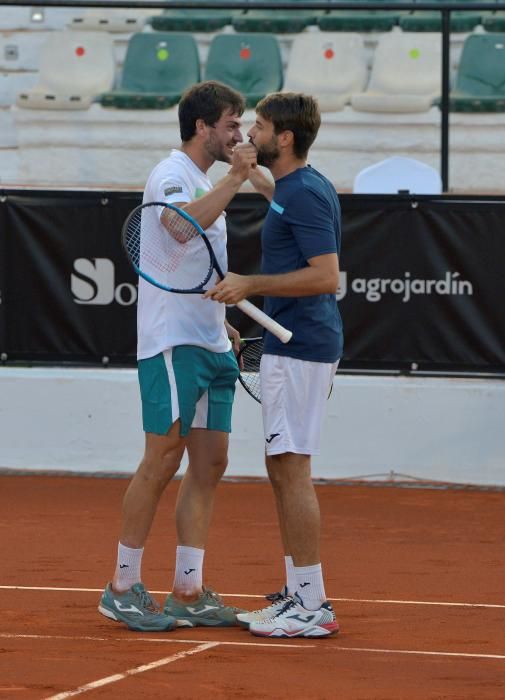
[(205, 609), (127, 608)]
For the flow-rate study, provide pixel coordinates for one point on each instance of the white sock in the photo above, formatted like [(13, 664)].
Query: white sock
[(290, 575), (310, 586), (188, 569), (127, 567)]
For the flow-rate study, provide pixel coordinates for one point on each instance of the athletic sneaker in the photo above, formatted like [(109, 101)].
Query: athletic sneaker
[(208, 611), (136, 609), (296, 621), (279, 595), (272, 610)]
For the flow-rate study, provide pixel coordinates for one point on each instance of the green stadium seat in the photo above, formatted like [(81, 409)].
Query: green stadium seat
[(431, 21), (158, 68), (288, 21), (358, 20), (480, 80), (494, 21), (250, 63), (189, 20)]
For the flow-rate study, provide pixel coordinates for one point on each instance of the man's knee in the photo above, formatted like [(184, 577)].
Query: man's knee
[(285, 469), (157, 470), (208, 473)]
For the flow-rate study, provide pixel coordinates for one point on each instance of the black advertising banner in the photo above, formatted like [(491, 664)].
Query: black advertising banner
[(421, 285), (69, 292)]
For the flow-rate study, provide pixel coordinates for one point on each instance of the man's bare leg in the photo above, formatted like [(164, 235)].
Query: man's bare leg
[(207, 451), (161, 460), (297, 506)]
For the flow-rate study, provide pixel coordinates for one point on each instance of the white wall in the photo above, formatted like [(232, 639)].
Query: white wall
[(88, 420)]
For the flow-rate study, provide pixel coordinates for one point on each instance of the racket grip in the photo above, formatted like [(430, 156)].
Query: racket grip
[(260, 317)]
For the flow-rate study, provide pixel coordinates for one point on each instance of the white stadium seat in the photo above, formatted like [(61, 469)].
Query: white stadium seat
[(75, 68), (405, 74), (329, 65), (397, 174)]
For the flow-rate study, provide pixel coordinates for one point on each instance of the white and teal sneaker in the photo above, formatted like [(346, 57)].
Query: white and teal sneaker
[(296, 621), (136, 608), (207, 611)]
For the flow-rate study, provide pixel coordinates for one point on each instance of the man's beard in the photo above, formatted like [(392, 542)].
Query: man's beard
[(268, 153)]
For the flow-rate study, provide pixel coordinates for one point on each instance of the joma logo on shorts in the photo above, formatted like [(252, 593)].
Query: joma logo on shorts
[(93, 282)]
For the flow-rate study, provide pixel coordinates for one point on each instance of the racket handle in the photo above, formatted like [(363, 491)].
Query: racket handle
[(260, 317)]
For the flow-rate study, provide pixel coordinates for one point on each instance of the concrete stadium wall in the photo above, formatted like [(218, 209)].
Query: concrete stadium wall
[(117, 148), (88, 420)]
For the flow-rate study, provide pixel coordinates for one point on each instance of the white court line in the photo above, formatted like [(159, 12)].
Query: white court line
[(132, 672), (162, 640), (255, 595), (458, 654), (293, 646)]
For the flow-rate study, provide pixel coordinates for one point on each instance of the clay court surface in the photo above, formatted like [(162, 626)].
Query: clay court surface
[(416, 577)]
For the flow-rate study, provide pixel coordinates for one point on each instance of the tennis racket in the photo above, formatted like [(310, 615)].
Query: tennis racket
[(249, 358), (170, 250)]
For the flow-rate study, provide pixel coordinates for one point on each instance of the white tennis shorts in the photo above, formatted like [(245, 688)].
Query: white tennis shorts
[(294, 394)]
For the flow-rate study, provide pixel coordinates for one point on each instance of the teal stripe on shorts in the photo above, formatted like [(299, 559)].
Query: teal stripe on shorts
[(195, 372), (156, 395)]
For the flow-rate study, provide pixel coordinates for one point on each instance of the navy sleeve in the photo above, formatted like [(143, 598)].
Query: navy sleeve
[(312, 222)]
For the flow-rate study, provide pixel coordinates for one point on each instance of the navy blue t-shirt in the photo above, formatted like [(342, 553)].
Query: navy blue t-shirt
[(303, 221)]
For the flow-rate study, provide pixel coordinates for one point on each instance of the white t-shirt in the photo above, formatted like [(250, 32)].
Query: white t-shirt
[(166, 319)]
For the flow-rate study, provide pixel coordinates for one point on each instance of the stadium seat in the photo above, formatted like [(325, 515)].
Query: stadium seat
[(110, 20), (480, 80), (358, 20), (189, 20), (288, 21), (398, 174), (158, 67), (75, 67), (330, 66), (250, 63), (431, 21), (494, 21), (405, 74)]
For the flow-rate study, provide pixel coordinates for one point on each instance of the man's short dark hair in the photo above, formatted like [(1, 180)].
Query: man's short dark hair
[(207, 100), (291, 111)]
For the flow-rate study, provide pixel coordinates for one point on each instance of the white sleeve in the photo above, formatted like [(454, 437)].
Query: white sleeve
[(173, 187)]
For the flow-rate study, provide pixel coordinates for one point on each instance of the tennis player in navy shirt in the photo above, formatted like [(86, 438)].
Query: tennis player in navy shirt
[(299, 278)]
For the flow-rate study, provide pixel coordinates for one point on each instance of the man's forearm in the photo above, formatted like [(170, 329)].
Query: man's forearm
[(208, 208), (306, 282)]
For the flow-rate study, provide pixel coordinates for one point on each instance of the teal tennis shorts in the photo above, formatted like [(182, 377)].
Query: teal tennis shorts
[(187, 383)]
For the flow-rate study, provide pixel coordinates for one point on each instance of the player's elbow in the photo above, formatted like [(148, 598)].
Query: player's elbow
[(326, 284), (331, 282), (327, 277)]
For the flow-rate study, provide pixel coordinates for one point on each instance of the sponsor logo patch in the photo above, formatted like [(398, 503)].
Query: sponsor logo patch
[(175, 189)]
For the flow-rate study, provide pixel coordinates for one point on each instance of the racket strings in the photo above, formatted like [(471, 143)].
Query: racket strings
[(173, 252), (250, 358)]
